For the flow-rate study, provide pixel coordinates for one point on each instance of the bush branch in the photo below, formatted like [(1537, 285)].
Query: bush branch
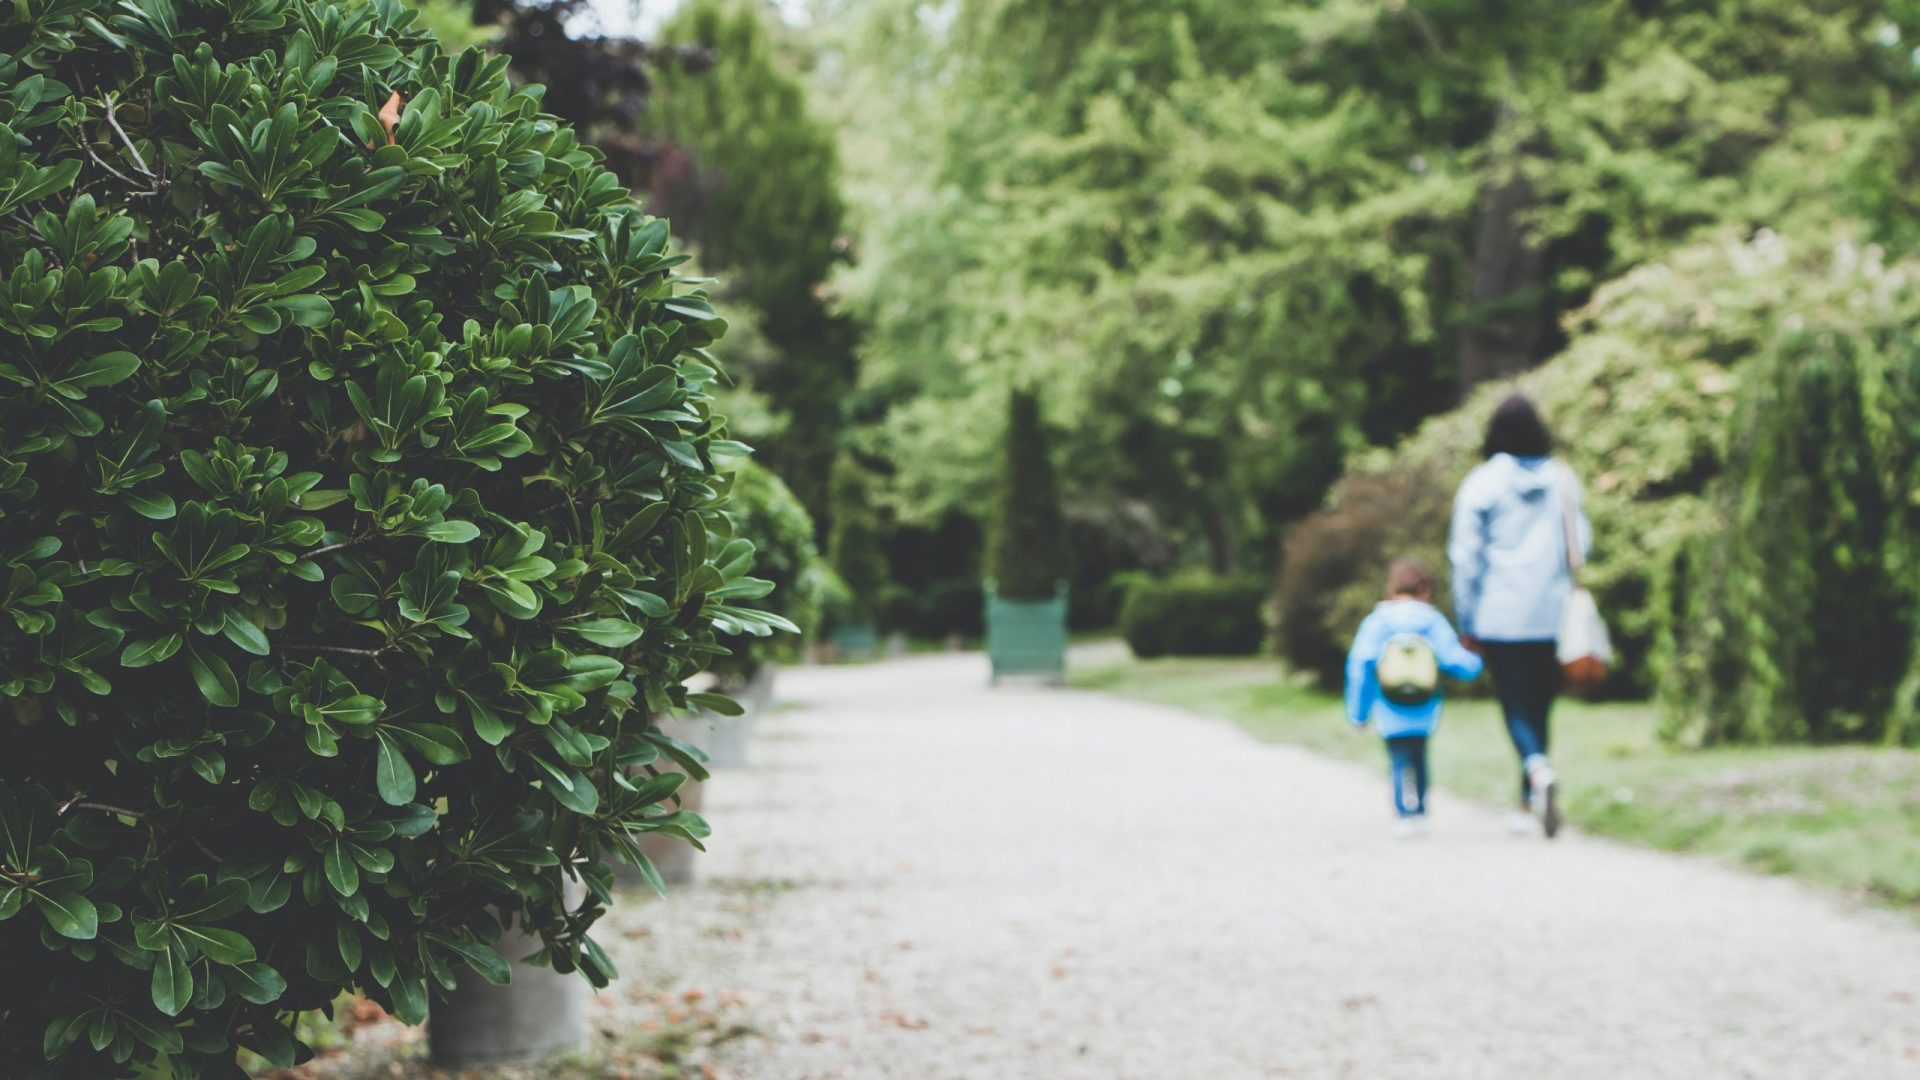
[(351, 541), (138, 161), (105, 808), (344, 650)]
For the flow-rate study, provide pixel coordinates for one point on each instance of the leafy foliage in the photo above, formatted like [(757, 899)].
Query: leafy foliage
[(358, 511), (1797, 620), (1028, 557), (1239, 241), (786, 557), (1333, 563), (746, 172), (1194, 614), (853, 546)]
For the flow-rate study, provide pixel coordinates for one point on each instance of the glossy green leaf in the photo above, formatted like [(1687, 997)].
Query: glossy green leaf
[(172, 983), (393, 776), (212, 675), (610, 633)]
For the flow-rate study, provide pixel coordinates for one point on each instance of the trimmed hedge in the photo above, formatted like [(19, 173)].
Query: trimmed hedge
[(1194, 614), (1027, 558), (853, 547)]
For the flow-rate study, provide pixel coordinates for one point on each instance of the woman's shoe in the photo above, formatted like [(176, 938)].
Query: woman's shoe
[(1549, 798), (1546, 796)]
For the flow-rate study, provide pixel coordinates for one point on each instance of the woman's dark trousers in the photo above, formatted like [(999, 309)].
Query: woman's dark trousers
[(1526, 677)]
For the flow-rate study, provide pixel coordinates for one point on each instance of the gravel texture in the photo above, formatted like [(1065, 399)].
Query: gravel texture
[(926, 879), (920, 877)]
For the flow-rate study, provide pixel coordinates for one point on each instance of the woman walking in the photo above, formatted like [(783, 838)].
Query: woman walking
[(1511, 580)]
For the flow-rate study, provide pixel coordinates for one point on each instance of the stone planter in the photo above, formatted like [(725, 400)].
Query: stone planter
[(758, 694), (539, 1014), (1027, 637), (854, 641), (729, 739)]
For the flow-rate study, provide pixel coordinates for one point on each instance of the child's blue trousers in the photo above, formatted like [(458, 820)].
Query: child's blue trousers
[(1408, 755)]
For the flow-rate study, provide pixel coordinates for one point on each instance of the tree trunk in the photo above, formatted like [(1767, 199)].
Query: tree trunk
[(1508, 311), (1223, 540)]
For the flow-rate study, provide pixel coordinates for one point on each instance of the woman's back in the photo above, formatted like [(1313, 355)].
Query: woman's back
[(1508, 548)]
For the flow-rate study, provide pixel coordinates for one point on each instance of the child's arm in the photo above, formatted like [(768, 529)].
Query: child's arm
[(1456, 660), (1362, 687)]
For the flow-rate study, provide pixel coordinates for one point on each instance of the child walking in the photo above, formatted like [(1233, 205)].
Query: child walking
[(1393, 679)]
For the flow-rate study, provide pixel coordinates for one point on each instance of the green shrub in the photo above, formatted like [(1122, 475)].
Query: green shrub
[(785, 556), (1027, 556), (1797, 621), (853, 547), (938, 609), (1194, 614), (1333, 564), (1110, 541), (358, 514)]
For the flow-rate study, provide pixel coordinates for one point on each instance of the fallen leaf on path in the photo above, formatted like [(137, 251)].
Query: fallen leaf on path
[(910, 1023)]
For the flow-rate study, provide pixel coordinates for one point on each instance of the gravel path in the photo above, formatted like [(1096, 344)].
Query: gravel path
[(922, 878)]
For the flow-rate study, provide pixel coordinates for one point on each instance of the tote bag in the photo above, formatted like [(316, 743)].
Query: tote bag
[(1585, 649)]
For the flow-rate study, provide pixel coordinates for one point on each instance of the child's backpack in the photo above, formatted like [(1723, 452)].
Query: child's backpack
[(1408, 670)]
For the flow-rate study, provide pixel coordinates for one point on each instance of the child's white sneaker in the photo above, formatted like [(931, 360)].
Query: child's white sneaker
[(1521, 823), (1406, 828)]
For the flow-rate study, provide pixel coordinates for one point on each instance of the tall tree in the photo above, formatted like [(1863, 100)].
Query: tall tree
[(746, 173), (599, 83), (1239, 241), (1029, 556)]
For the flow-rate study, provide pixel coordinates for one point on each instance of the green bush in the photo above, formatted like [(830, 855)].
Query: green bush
[(1194, 614), (853, 547), (763, 508), (1111, 541), (1797, 621), (938, 609), (1027, 556), (358, 514), (1333, 564)]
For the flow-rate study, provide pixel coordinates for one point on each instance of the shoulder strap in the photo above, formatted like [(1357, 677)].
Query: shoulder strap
[(1570, 520)]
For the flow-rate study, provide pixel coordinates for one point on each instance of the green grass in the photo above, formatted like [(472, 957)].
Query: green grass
[(1847, 818)]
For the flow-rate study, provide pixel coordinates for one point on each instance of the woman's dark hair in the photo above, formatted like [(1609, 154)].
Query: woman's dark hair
[(1516, 428)]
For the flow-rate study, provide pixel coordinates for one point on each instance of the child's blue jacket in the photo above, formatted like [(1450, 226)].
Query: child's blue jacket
[(1389, 619)]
